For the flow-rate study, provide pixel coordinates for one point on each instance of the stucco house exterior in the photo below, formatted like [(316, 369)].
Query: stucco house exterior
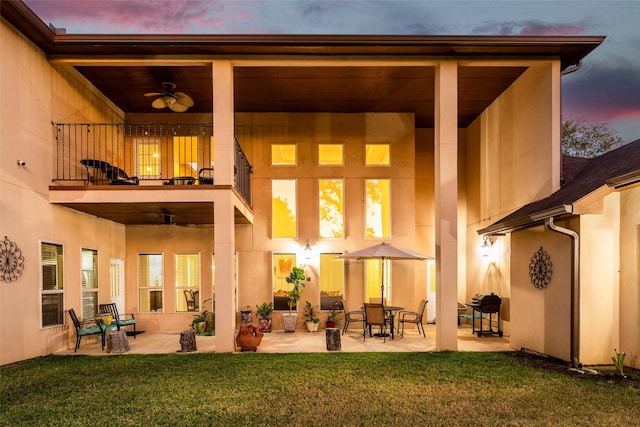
[(334, 143)]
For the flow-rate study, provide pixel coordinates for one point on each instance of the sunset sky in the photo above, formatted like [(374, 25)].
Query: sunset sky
[(606, 89)]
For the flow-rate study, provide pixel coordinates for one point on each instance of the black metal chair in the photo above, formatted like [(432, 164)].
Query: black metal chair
[(375, 316), (353, 316), (414, 317), (120, 320), (205, 176), (86, 328)]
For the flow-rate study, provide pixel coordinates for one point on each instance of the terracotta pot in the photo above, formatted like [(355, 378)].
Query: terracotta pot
[(331, 324), (249, 338)]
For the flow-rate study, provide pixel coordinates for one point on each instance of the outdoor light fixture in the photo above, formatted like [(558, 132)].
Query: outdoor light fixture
[(485, 249), (308, 252)]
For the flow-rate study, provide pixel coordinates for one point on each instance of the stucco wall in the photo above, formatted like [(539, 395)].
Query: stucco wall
[(630, 275), (32, 94), (540, 318)]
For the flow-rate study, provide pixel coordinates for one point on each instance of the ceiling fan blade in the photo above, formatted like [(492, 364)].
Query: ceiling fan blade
[(159, 103), (184, 99), (154, 94), (177, 107)]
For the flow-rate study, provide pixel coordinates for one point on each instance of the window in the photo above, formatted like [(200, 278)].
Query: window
[(187, 282), (373, 279), (331, 208), (89, 260), (283, 154), (185, 156), (282, 265), (150, 282), (283, 208), (378, 208), (148, 155), (52, 284), (331, 280), (377, 155), (330, 155)]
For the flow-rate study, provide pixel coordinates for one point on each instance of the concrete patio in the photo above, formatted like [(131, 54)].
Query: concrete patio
[(300, 342)]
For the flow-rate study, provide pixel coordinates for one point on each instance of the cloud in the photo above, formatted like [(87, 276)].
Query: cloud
[(602, 93), (529, 28)]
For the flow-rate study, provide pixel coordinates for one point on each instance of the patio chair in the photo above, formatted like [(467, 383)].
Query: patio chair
[(189, 296), (205, 176), (351, 316), (414, 317), (86, 328), (120, 320), (374, 315)]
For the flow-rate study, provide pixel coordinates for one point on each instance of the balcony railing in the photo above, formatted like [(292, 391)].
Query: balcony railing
[(141, 153)]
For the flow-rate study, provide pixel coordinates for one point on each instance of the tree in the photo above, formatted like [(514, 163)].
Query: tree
[(582, 139)]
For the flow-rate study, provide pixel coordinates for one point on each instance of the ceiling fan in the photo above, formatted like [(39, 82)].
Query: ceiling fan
[(178, 102)]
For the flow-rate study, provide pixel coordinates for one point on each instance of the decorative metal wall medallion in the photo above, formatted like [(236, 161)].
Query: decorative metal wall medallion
[(11, 261), (540, 269)]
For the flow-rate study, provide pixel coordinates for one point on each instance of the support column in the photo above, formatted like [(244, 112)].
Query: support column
[(223, 209), (446, 179)]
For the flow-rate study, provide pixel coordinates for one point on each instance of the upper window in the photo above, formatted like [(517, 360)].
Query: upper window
[(283, 154), (378, 208), (331, 208), (148, 155), (52, 303), (283, 208), (150, 282), (185, 156), (330, 155), (377, 155), (187, 282), (89, 283)]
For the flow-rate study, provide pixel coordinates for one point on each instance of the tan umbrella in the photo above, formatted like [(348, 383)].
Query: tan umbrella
[(384, 251)]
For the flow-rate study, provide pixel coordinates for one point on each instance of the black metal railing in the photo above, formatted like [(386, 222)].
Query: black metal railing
[(134, 153)]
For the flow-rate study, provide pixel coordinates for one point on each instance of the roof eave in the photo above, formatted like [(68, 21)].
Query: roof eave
[(526, 221)]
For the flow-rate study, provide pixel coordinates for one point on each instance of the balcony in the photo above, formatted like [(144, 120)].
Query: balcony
[(161, 169)]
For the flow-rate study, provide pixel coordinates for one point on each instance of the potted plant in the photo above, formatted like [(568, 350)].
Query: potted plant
[(245, 314), (264, 311), (311, 317), (202, 322), (333, 320), (296, 279)]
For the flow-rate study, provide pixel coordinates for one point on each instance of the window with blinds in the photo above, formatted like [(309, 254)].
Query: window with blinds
[(89, 259), (187, 270), (52, 286), (150, 282)]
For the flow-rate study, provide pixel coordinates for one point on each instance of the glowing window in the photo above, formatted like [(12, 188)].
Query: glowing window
[(283, 208), (148, 155), (282, 266), (377, 155), (378, 208), (330, 154), (185, 156), (187, 272), (89, 259), (283, 154), (150, 282), (374, 280), (52, 303), (331, 280), (331, 208)]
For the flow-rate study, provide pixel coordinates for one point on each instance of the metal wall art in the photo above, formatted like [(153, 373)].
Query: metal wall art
[(11, 261), (540, 269)]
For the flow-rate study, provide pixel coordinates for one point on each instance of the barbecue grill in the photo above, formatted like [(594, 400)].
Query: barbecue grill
[(485, 305)]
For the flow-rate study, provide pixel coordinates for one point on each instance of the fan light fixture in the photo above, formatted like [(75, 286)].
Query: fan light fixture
[(178, 102)]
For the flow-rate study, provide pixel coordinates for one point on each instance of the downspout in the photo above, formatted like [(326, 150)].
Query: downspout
[(575, 289), (575, 67)]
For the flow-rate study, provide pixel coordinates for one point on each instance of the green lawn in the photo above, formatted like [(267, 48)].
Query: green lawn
[(308, 389)]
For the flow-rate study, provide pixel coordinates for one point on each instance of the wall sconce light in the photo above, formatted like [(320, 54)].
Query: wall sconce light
[(485, 249), (308, 251)]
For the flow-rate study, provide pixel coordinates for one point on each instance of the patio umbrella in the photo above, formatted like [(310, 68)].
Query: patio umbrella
[(384, 251)]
